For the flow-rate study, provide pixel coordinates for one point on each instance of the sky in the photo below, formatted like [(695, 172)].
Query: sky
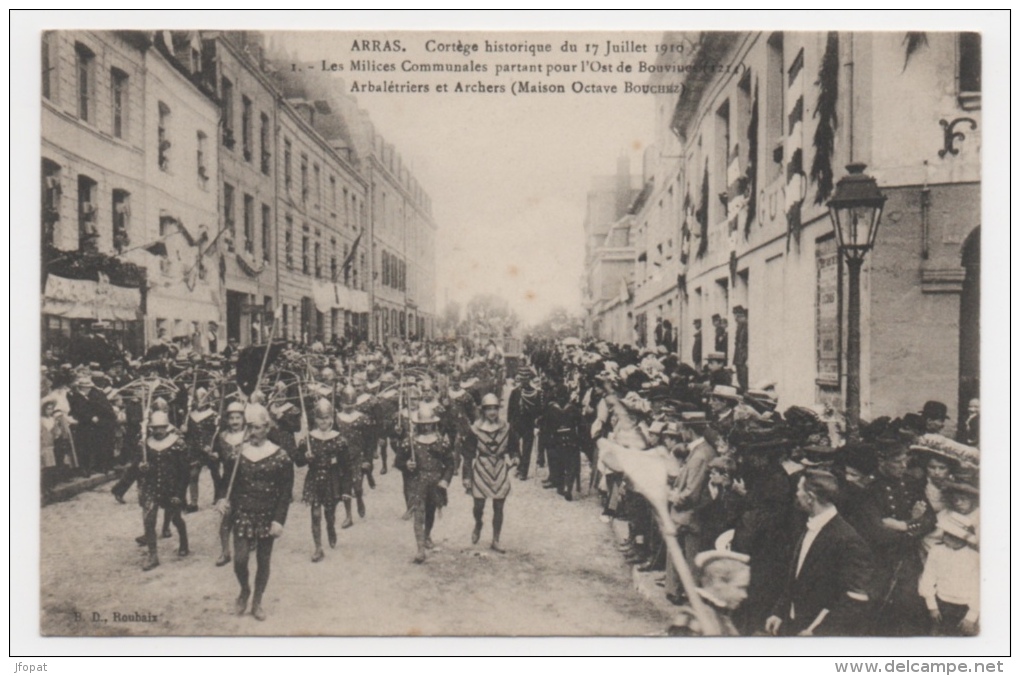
[(508, 175)]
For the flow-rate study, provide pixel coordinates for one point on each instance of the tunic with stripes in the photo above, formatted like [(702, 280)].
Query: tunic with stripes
[(489, 452)]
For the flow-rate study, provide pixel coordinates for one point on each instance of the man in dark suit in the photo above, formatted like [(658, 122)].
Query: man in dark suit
[(826, 589), (96, 422)]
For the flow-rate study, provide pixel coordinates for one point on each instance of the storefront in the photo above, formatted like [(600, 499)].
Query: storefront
[(71, 307)]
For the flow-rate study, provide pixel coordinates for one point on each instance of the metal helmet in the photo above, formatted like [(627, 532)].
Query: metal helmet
[(201, 394), (159, 419), (235, 407), (160, 404), (490, 401), (257, 397), (348, 396), (323, 409), (328, 374), (256, 414)]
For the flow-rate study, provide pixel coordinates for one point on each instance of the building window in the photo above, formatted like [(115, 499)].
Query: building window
[(203, 170), (347, 215), (49, 64), (246, 128), (51, 196), (249, 224), (121, 219), (385, 269), (288, 243), (264, 142), (318, 260), (163, 136), (347, 270), (288, 178), (362, 267), (85, 70), (354, 209), (304, 178), (316, 175), (775, 88), (332, 195), (969, 70), (227, 100), (306, 266), (267, 233), (332, 260), (229, 224), (88, 233), (119, 91)]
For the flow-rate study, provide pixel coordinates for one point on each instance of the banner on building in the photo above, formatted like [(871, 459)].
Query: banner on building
[(86, 299), (329, 297)]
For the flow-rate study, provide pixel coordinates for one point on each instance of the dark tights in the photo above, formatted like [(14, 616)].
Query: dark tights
[(317, 523), (497, 515), (263, 552), (172, 515), (424, 519)]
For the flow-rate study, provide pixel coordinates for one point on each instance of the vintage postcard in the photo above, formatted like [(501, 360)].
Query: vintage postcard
[(629, 333)]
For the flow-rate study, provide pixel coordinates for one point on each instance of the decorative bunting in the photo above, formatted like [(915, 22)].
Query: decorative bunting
[(793, 151), (701, 215), (825, 111), (913, 42), (752, 164)]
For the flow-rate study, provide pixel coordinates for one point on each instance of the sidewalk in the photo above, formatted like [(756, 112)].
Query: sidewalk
[(68, 489), (644, 583)]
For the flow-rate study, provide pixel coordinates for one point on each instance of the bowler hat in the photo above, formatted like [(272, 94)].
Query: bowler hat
[(715, 356), (935, 410)]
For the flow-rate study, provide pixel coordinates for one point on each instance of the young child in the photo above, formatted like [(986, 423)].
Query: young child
[(950, 583), (53, 444)]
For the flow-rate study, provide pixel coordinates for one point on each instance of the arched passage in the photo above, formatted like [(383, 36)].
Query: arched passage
[(970, 325)]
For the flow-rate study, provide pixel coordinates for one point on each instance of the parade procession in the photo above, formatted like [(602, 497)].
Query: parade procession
[(703, 383)]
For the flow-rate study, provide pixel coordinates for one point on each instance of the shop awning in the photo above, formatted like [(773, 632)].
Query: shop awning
[(86, 299)]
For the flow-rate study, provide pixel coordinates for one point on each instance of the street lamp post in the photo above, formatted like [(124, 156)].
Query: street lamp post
[(855, 210)]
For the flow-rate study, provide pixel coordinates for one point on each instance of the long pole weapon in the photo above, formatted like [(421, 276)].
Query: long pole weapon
[(258, 383), (149, 387), (191, 397)]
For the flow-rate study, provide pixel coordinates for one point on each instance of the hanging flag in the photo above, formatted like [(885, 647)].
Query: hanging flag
[(157, 248), (350, 256)]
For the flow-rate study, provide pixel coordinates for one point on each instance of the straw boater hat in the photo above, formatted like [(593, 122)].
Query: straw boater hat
[(726, 392), (947, 449), (703, 559)]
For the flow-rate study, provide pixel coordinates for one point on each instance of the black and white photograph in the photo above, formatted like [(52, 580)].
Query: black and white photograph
[(512, 333)]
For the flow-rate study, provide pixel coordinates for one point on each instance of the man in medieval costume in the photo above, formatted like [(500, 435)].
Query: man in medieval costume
[(427, 460), (489, 456)]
